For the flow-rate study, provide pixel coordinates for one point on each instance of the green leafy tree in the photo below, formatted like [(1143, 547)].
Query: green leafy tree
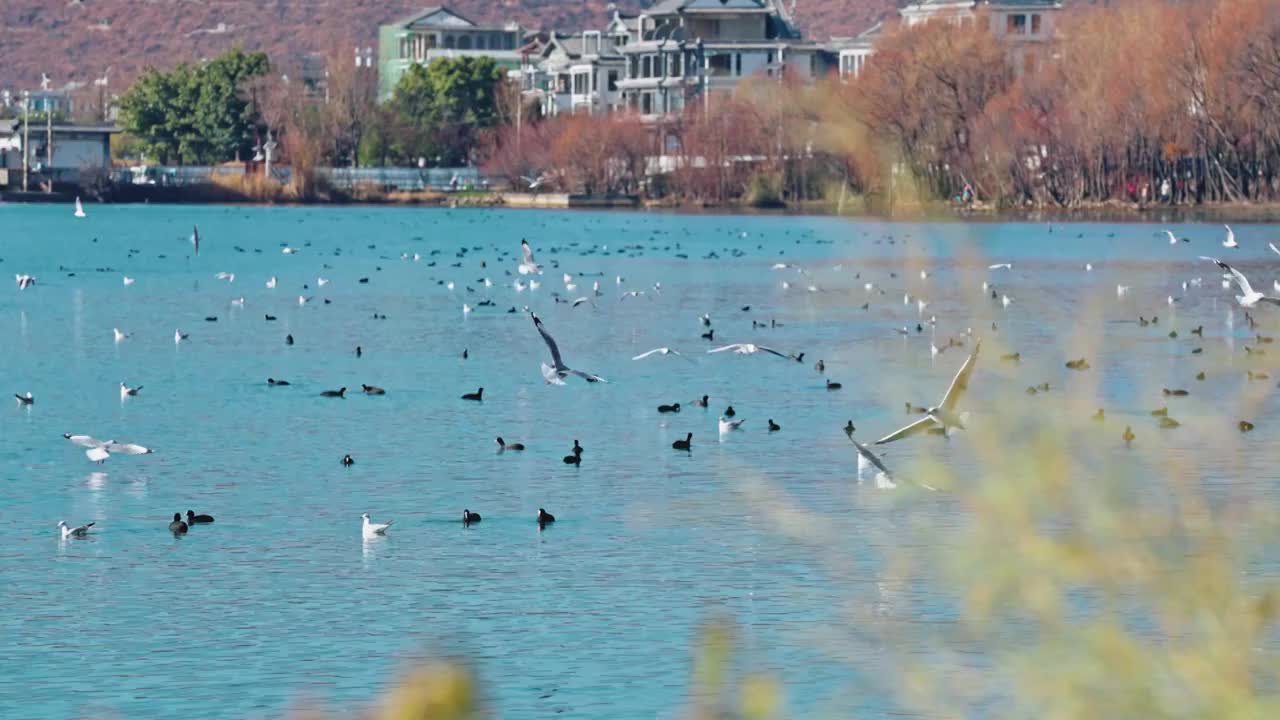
[(195, 114), (444, 106)]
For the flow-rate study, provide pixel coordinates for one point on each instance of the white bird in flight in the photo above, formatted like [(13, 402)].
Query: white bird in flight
[(1230, 242), (271, 284), (98, 451), (1000, 266), (558, 368), (79, 208), (528, 266), (943, 413), (25, 281), (119, 336), (748, 349), (74, 532), (372, 529), (1172, 239), (126, 391), (1251, 297), (230, 277), (128, 280), (659, 351)]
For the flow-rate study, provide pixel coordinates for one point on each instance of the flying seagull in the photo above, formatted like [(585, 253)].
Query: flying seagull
[(528, 265), (98, 451), (659, 351), (1230, 242), (748, 349), (944, 412), (866, 457), (558, 368), (1251, 297), (195, 238), (79, 208)]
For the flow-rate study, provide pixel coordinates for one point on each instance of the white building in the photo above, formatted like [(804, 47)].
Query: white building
[(580, 73), (77, 151), (1026, 25), (686, 48), (852, 53)]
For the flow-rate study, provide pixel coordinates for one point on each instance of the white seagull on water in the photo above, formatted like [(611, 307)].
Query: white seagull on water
[(1251, 297), (558, 369), (727, 426), (74, 532), (372, 529), (943, 413)]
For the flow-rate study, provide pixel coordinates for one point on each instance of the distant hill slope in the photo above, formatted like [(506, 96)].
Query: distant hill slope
[(80, 39)]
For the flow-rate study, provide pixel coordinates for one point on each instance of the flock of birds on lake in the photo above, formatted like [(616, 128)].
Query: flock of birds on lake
[(939, 419)]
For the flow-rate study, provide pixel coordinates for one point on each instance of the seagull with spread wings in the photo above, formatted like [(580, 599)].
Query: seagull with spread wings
[(749, 349), (1251, 297), (658, 351), (528, 266), (558, 369), (944, 413)]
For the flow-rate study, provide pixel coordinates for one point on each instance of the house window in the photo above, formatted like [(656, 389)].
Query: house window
[(737, 63), (464, 42), (448, 42), (633, 67), (579, 84), (1016, 24), (480, 43), (648, 66), (431, 41), (1035, 24), (613, 81), (646, 104), (720, 65)]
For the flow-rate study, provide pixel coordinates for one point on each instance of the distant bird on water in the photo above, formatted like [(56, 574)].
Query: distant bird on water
[(371, 529), (177, 527), (74, 532), (27, 399), (504, 446)]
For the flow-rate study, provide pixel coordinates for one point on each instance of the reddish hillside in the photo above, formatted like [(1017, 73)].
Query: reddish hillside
[(80, 39)]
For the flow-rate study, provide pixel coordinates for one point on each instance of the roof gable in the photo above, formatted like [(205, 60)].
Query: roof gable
[(435, 17)]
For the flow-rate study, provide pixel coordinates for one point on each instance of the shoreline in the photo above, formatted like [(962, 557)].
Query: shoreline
[(1264, 212)]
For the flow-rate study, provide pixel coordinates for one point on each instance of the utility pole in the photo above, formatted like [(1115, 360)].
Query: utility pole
[(48, 146), (26, 137)]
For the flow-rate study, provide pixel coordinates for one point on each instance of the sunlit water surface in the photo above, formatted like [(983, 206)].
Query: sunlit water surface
[(281, 604)]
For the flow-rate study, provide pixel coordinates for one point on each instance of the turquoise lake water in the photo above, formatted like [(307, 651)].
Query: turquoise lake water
[(281, 604)]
